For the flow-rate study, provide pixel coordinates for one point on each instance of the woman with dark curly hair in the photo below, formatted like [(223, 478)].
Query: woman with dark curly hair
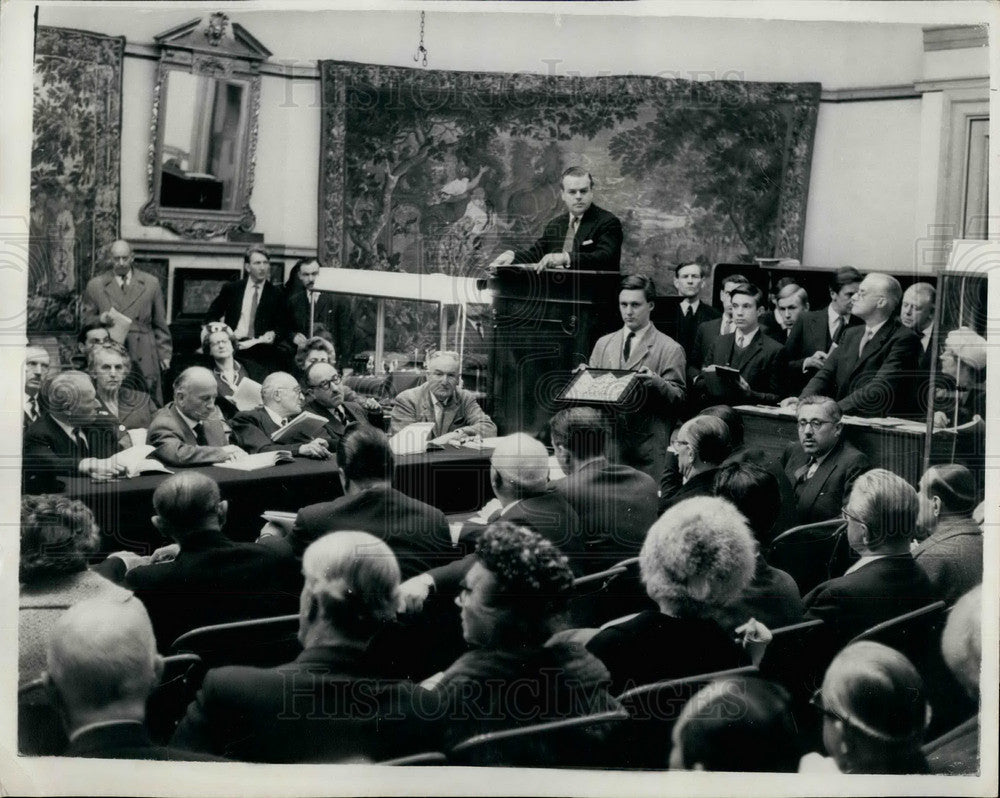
[(514, 597), (697, 558), (58, 535)]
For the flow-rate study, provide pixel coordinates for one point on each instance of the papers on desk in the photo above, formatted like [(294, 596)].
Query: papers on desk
[(120, 324), (136, 460), (305, 422), (412, 439), (247, 395), (767, 410), (256, 462)]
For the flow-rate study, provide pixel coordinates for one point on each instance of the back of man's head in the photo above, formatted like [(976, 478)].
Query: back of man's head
[(522, 462), (954, 485), (364, 455), (102, 661), (756, 494), (888, 506), (187, 502), (710, 441), (732, 419), (583, 431)]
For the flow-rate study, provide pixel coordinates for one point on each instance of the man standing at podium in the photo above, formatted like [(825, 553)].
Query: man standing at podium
[(586, 237), (643, 429)]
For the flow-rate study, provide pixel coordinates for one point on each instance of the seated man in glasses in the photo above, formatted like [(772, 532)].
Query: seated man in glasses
[(822, 466), (326, 396), (282, 398), (453, 411)]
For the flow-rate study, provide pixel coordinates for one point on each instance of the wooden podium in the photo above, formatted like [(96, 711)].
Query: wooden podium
[(544, 325)]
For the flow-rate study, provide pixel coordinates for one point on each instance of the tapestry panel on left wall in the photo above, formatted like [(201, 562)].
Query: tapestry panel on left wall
[(75, 171)]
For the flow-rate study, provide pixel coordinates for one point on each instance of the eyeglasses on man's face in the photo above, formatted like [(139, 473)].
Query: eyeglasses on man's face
[(326, 384), (815, 424), (847, 515), (816, 701)]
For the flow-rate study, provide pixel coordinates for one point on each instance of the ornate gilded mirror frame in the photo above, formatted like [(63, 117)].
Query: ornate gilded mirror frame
[(185, 194)]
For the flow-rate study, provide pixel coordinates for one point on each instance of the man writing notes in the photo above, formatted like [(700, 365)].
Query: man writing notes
[(644, 430), (586, 237), (136, 295), (453, 411)]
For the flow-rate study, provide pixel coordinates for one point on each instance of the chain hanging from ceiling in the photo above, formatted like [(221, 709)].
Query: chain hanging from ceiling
[(421, 53)]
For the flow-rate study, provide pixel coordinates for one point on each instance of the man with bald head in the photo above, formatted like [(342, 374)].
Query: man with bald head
[(190, 430), (36, 366), (137, 295), (282, 401), (68, 439), (871, 372), (102, 665), (212, 579), (519, 474), (453, 411)]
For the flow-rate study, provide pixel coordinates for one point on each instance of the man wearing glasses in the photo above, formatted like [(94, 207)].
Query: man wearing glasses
[(822, 466), (282, 398), (454, 412), (325, 392)]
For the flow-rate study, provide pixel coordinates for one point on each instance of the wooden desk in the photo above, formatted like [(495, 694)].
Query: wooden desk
[(455, 480), (899, 449)]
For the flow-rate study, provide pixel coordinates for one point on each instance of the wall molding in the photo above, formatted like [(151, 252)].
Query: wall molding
[(176, 247), (955, 37), (954, 84), (280, 68), (904, 91)]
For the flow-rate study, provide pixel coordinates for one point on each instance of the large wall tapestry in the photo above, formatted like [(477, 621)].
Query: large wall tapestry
[(425, 171), (75, 166)]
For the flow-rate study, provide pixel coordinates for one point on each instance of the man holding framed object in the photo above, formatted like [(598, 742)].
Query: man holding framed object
[(585, 238), (643, 426)]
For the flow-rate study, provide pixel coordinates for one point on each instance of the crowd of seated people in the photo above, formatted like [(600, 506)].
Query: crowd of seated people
[(373, 572)]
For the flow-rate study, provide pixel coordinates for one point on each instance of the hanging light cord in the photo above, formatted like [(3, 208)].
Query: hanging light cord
[(421, 50)]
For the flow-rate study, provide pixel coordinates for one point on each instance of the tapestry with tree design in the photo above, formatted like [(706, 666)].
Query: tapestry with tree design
[(431, 171)]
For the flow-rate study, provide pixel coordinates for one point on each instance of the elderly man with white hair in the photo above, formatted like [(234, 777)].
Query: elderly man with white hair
[(282, 401), (101, 667), (519, 473), (453, 411)]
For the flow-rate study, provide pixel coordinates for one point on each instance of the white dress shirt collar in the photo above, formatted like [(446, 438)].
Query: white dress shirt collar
[(866, 560)]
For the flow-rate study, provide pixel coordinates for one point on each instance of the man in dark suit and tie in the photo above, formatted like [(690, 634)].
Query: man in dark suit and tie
[(255, 311), (307, 309), (822, 467), (748, 350), (325, 394), (812, 335), (68, 439), (791, 301), (36, 366), (586, 237), (872, 371), (282, 401), (690, 312), (917, 313), (708, 332)]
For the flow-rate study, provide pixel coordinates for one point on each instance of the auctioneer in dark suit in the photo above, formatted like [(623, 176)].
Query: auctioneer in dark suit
[(463, 410), (416, 532), (820, 497), (332, 311), (879, 381), (323, 707), (616, 505), (683, 327), (177, 444), (215, 580), (757, 363), (49, 452), (252, 430), (271, 312), (643, 430), (597, 245), (148, 339)]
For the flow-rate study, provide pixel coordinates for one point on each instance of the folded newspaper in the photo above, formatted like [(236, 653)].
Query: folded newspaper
[(136, 460)]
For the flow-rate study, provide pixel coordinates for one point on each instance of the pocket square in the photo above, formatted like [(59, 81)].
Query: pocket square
[(588, 241)]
